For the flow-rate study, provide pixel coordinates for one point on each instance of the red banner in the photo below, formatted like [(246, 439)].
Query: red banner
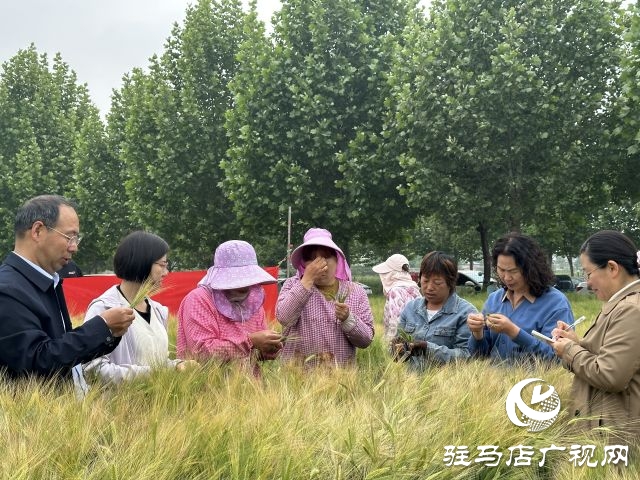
[(80, 291)]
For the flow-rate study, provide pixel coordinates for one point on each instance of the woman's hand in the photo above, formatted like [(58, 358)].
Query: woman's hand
[(563, 330), (401, 349), (267, 341), (186, 365), (560, 344), (313, 270), (499, 323), (475, 322), (342, 311)]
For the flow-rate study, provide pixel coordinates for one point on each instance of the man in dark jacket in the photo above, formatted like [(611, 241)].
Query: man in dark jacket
[(36, 336)]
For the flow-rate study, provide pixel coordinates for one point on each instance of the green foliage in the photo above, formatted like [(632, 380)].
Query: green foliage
[(627, 130), (170, 133), (43, 111), (500, 111), (300, 102), (98, 187), (396, 131)]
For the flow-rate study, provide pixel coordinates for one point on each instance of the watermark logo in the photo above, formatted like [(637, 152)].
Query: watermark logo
[(537, 414)]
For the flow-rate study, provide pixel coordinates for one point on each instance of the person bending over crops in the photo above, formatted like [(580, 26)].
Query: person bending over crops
[(325, 315), (526, 302), (223, 317), (606, 361), (398, 288), (433, 329), (140, 262)]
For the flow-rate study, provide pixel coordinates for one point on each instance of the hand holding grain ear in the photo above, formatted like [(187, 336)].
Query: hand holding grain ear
[(475, 322), (342, 311), (118, 319), (267, 341), (499, 323)]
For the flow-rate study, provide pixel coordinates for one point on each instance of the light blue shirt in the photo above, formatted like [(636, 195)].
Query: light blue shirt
[(541, 315), (446, 334), (55, 277)]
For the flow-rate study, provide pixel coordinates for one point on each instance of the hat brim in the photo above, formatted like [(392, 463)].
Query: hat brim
[(239, 277), (382, 268), (296, 255)]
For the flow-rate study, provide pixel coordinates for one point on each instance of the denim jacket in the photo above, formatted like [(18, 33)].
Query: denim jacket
[(446, 334)]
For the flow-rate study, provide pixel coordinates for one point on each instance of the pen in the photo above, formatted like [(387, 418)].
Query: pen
[(579, 320)]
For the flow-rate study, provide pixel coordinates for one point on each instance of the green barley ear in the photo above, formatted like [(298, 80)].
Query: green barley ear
[(148, 288), (290, 338), (341, 297), (405, 336)]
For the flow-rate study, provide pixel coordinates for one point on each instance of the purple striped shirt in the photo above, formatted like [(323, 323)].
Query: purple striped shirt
[(316, 333)]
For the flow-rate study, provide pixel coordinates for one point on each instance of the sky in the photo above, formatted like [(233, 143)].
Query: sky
[(101, 40)]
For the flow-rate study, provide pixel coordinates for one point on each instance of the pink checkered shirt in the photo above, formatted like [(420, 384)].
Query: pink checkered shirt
[(397, 298), (311, 321), (203, 332)]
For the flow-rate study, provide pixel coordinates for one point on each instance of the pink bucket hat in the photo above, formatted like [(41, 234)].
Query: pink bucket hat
[(320, 237), (235, 265), (392, 264)]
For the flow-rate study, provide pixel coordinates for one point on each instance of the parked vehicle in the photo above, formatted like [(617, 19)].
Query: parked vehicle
[(564, 283), (366, 288), (583, 289)]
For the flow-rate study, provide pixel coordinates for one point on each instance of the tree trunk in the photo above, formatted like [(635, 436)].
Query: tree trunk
[(486, 256), (570, 260)]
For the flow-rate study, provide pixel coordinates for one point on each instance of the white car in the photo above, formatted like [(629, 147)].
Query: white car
[(583, 289), (367, 288)]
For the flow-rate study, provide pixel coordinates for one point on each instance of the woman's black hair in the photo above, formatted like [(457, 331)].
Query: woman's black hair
[(136, 255), (440, 263), (529, 258), (608, 245)]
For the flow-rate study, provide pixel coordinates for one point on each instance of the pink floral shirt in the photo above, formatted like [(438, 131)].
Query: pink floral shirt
[(316, 335), (397, 298), (203, 332)]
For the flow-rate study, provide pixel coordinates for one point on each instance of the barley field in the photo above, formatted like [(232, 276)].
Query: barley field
[(373, 421)]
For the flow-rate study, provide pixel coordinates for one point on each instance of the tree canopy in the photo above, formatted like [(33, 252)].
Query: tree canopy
[(301, 102), (397, 131), (504, 105)]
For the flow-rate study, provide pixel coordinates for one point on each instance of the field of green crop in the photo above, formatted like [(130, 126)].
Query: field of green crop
[(373, 421)]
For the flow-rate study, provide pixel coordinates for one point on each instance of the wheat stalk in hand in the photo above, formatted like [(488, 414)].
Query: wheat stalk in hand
[(341, 297), (148, 288)]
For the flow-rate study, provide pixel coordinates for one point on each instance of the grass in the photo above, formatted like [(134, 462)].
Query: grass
[(374, 421)]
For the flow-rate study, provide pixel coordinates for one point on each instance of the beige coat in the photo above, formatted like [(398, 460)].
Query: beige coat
[(606, 364)]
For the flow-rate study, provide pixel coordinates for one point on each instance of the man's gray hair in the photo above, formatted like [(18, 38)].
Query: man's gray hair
[(44, 208)]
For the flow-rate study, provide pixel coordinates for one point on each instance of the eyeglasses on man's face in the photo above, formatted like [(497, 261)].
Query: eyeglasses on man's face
[(71, 240)]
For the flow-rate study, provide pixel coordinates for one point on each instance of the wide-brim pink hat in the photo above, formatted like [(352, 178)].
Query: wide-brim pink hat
[(235, 265), (314, 236)]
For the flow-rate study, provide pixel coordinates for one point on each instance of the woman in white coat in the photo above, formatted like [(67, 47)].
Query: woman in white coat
[(140, 256)]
